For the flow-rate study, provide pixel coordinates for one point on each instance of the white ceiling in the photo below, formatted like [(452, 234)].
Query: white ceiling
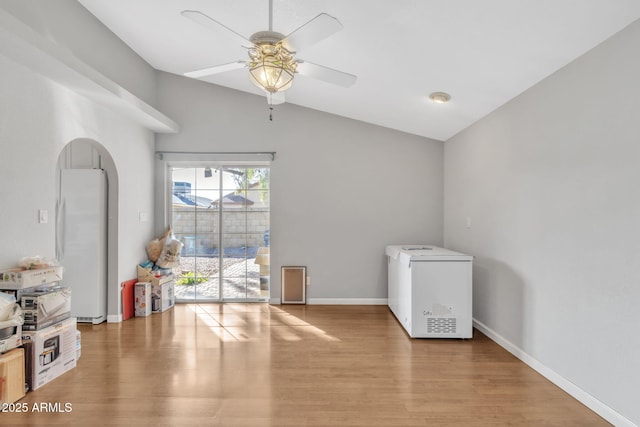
[(482, 52)]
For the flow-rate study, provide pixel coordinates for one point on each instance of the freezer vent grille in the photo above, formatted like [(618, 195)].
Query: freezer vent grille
[(441, 325)]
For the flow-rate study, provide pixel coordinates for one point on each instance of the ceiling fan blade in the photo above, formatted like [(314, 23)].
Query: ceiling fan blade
[(276, 98), (317, 29), (325, 74), (217, 69), (213, 25)]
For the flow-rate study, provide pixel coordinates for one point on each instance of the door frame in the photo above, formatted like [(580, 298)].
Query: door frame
[(165, 161)]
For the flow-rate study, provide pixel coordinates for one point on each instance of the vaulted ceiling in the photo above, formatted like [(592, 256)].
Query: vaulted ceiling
[(482, 52)]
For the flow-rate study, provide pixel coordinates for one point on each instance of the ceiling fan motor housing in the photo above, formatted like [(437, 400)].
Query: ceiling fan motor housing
[(266, 37)]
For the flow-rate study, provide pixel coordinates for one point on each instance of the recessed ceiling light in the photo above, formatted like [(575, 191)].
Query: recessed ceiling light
[(440, 97)]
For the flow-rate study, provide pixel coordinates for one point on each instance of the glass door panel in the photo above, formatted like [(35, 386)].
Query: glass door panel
[(221, 214)]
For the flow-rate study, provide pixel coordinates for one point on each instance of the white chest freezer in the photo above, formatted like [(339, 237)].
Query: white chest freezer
[(430, 290)]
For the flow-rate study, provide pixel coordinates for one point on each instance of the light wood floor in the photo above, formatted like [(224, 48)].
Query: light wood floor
[(259, 365)]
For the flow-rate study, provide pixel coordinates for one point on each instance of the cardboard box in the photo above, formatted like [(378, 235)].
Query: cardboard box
[(12, 376), (16, 278), (16, 293), (146, 275), (54, 351), (45, 307), (35, 321), (142, 299), (12, 341), (162, 297), (28, 364), (78, 344)]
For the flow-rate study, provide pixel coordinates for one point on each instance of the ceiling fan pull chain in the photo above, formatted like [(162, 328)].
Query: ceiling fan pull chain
[(270, 113)]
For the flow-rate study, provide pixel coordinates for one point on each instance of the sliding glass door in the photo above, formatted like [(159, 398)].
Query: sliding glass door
[(221, 214)]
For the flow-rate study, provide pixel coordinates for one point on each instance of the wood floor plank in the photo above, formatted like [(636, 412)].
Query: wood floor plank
[(262, 365)]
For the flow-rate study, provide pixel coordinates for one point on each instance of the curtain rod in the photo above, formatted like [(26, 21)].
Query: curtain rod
[(217, 153)]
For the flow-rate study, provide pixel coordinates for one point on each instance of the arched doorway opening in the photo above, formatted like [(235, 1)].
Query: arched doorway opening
[(88, 154)]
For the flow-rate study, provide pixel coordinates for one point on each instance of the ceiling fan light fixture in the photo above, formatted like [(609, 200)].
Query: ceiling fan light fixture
[(271, 67)]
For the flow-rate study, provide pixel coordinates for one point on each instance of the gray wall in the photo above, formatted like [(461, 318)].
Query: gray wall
[(340, 189), (69, 24), (38, 118), (550, 185)]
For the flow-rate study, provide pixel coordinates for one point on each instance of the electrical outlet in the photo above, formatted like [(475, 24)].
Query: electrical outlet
[(308, 280)]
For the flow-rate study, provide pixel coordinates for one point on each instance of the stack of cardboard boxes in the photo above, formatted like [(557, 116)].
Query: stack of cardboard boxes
[(46, 345), (153, 294)]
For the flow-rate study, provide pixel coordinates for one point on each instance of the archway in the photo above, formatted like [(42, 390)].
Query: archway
[(89, 154)]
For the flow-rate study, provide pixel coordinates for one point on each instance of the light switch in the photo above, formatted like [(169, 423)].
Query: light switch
[(43, 216), (143, 216)]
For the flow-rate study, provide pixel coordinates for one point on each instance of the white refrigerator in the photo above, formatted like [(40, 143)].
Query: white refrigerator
[(82, 241)]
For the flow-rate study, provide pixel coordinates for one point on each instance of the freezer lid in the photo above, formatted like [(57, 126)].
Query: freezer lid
[(425, 253), (393, 251)]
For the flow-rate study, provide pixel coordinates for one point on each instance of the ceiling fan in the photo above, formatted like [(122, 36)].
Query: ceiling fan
[(272, 61)]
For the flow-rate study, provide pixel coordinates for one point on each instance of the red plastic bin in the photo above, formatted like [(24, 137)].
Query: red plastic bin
[(127, 298)]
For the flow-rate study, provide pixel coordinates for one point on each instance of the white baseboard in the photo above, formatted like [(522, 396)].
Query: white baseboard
[(114, 318), (347, 301), (274, 301), (582, 396)]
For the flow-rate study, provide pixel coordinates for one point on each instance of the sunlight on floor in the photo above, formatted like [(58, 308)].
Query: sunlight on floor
[(224, 319)]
